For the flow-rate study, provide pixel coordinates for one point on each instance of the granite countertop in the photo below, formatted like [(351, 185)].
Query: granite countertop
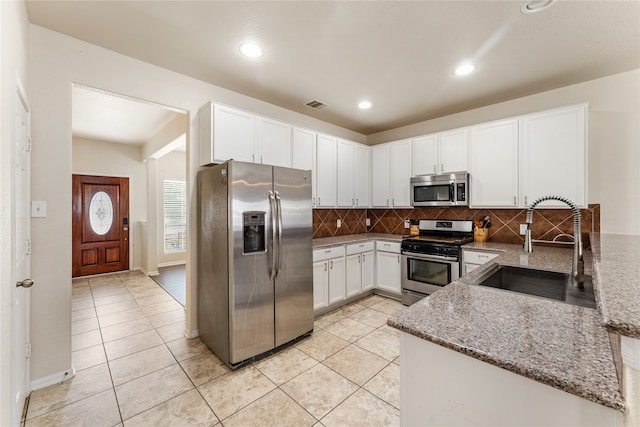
[(355, 238), (616, 260), (561, 345)]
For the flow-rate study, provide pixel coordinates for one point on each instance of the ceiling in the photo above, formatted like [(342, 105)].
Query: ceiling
[(398, 55)]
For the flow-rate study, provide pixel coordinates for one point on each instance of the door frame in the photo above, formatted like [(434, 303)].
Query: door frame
[(132, 233)]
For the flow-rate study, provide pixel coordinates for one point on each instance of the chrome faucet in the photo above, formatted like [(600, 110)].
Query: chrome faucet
[(577, 266)]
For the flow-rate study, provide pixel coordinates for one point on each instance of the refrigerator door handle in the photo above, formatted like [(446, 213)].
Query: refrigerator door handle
[(279, 210), (274, 250)]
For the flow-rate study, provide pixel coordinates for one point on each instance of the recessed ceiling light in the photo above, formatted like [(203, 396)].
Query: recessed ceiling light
[(251, 50), (364, 105), (534, 6), (464, 69)]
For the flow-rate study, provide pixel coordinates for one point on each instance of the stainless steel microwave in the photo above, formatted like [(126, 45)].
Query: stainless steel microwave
[(451, 189)]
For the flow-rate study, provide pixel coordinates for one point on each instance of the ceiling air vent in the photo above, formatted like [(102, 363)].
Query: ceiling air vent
[(315, 104)]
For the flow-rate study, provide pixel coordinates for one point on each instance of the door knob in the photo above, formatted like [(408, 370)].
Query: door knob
[(26, 283)]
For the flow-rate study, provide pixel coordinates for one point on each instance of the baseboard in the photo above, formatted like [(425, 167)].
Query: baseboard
[(191, 334), (149, 273), (172, 263), (52, 379)]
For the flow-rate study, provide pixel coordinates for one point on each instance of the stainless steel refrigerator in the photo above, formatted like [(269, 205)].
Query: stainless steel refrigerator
[(255, 273)]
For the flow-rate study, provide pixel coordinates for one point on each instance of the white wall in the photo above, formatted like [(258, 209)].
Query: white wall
[(14, 39), (91, 157), (614, 139), (172, 166), (56, 61)]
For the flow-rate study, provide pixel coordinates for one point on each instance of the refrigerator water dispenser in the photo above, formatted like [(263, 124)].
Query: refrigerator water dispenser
[(253, 232)]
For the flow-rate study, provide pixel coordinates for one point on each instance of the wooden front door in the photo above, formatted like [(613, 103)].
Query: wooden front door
[(100, 224)]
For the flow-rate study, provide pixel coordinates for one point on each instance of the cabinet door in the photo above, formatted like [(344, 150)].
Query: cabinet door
[(354, 275), (453, 151), (303, 152), (320, 284), (400, 173), (234, 134), (337, 289), (326, 172), (552, 156), (367, 271), (388, 271), (425, 155), (380, 176), (345, 177), (362, 163), (274, 142), (493, 164)]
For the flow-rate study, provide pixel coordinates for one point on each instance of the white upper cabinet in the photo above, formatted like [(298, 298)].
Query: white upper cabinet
[(345, 177), (553, 155), (493, 164), (425, 155), (303, 155), (353, 174), (362, 178), (453, 151), (326, 171), (274, 143), (380, 175), (391, 168), (440, 153), (226, 133), (400, 168)]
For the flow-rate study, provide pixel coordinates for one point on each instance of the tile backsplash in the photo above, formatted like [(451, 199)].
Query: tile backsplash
[(505, 223)]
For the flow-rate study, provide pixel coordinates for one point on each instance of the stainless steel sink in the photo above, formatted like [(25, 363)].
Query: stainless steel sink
[(541, 283)]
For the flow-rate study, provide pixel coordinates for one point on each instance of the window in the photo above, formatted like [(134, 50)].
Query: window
[(175, 216)]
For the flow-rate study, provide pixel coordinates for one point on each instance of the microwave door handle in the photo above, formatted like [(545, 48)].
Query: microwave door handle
[(452, 192)]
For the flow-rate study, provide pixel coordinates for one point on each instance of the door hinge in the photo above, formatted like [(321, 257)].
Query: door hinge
[(29, 144), (28, 244), (27, 350)]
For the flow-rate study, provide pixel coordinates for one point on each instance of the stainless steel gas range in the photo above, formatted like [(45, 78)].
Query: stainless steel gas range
[(433, 259)]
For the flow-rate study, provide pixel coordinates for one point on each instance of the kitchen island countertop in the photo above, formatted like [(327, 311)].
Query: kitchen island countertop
[(561, 345)]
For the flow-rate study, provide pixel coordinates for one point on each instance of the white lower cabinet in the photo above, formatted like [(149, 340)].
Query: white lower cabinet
[(388, 266), (328, 277), (474, 259), (359, 268)]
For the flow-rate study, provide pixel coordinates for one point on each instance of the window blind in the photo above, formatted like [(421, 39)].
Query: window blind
[(175, 216)]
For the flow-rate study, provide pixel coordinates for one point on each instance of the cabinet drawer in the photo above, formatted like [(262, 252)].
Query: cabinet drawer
[(388, 246), (328, 253), (358, 248), (477, 257)]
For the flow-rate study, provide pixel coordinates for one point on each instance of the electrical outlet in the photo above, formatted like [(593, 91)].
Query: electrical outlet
[(407, 224), (523, 229), (339, 223), (367, 222)]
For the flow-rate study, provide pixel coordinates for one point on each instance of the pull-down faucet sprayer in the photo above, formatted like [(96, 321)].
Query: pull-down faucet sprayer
[(577, 266)]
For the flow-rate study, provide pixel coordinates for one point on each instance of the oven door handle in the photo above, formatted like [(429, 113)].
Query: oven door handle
[(429, 257)]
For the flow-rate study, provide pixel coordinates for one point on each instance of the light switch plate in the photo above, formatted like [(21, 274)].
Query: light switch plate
[(38, 209), (407, 224), (367, 222), (339, 223), (523, 229)]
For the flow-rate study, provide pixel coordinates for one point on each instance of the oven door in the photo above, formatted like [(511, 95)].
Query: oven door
[(425, 274)]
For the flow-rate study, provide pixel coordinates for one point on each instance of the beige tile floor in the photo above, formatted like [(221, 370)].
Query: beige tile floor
[(134, 368)]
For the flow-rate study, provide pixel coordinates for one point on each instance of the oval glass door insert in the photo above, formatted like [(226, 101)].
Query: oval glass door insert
[(101, 213)]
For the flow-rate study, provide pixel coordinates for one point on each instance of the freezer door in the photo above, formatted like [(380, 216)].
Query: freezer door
[(251, 297), (294, 278)]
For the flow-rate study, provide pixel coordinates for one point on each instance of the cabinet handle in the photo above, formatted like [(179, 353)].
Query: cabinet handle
[(325, 266), (398, 259), (353, 202), (515, 202), (387, 202), (393, 202), (442, 167), (331, 264), (318, 201), (363, 258), (357, 203), (435, 168), (483, 256), (525, 201), (253, 158), (328, 251), (260, 158), (359, 260), (314, 202)]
